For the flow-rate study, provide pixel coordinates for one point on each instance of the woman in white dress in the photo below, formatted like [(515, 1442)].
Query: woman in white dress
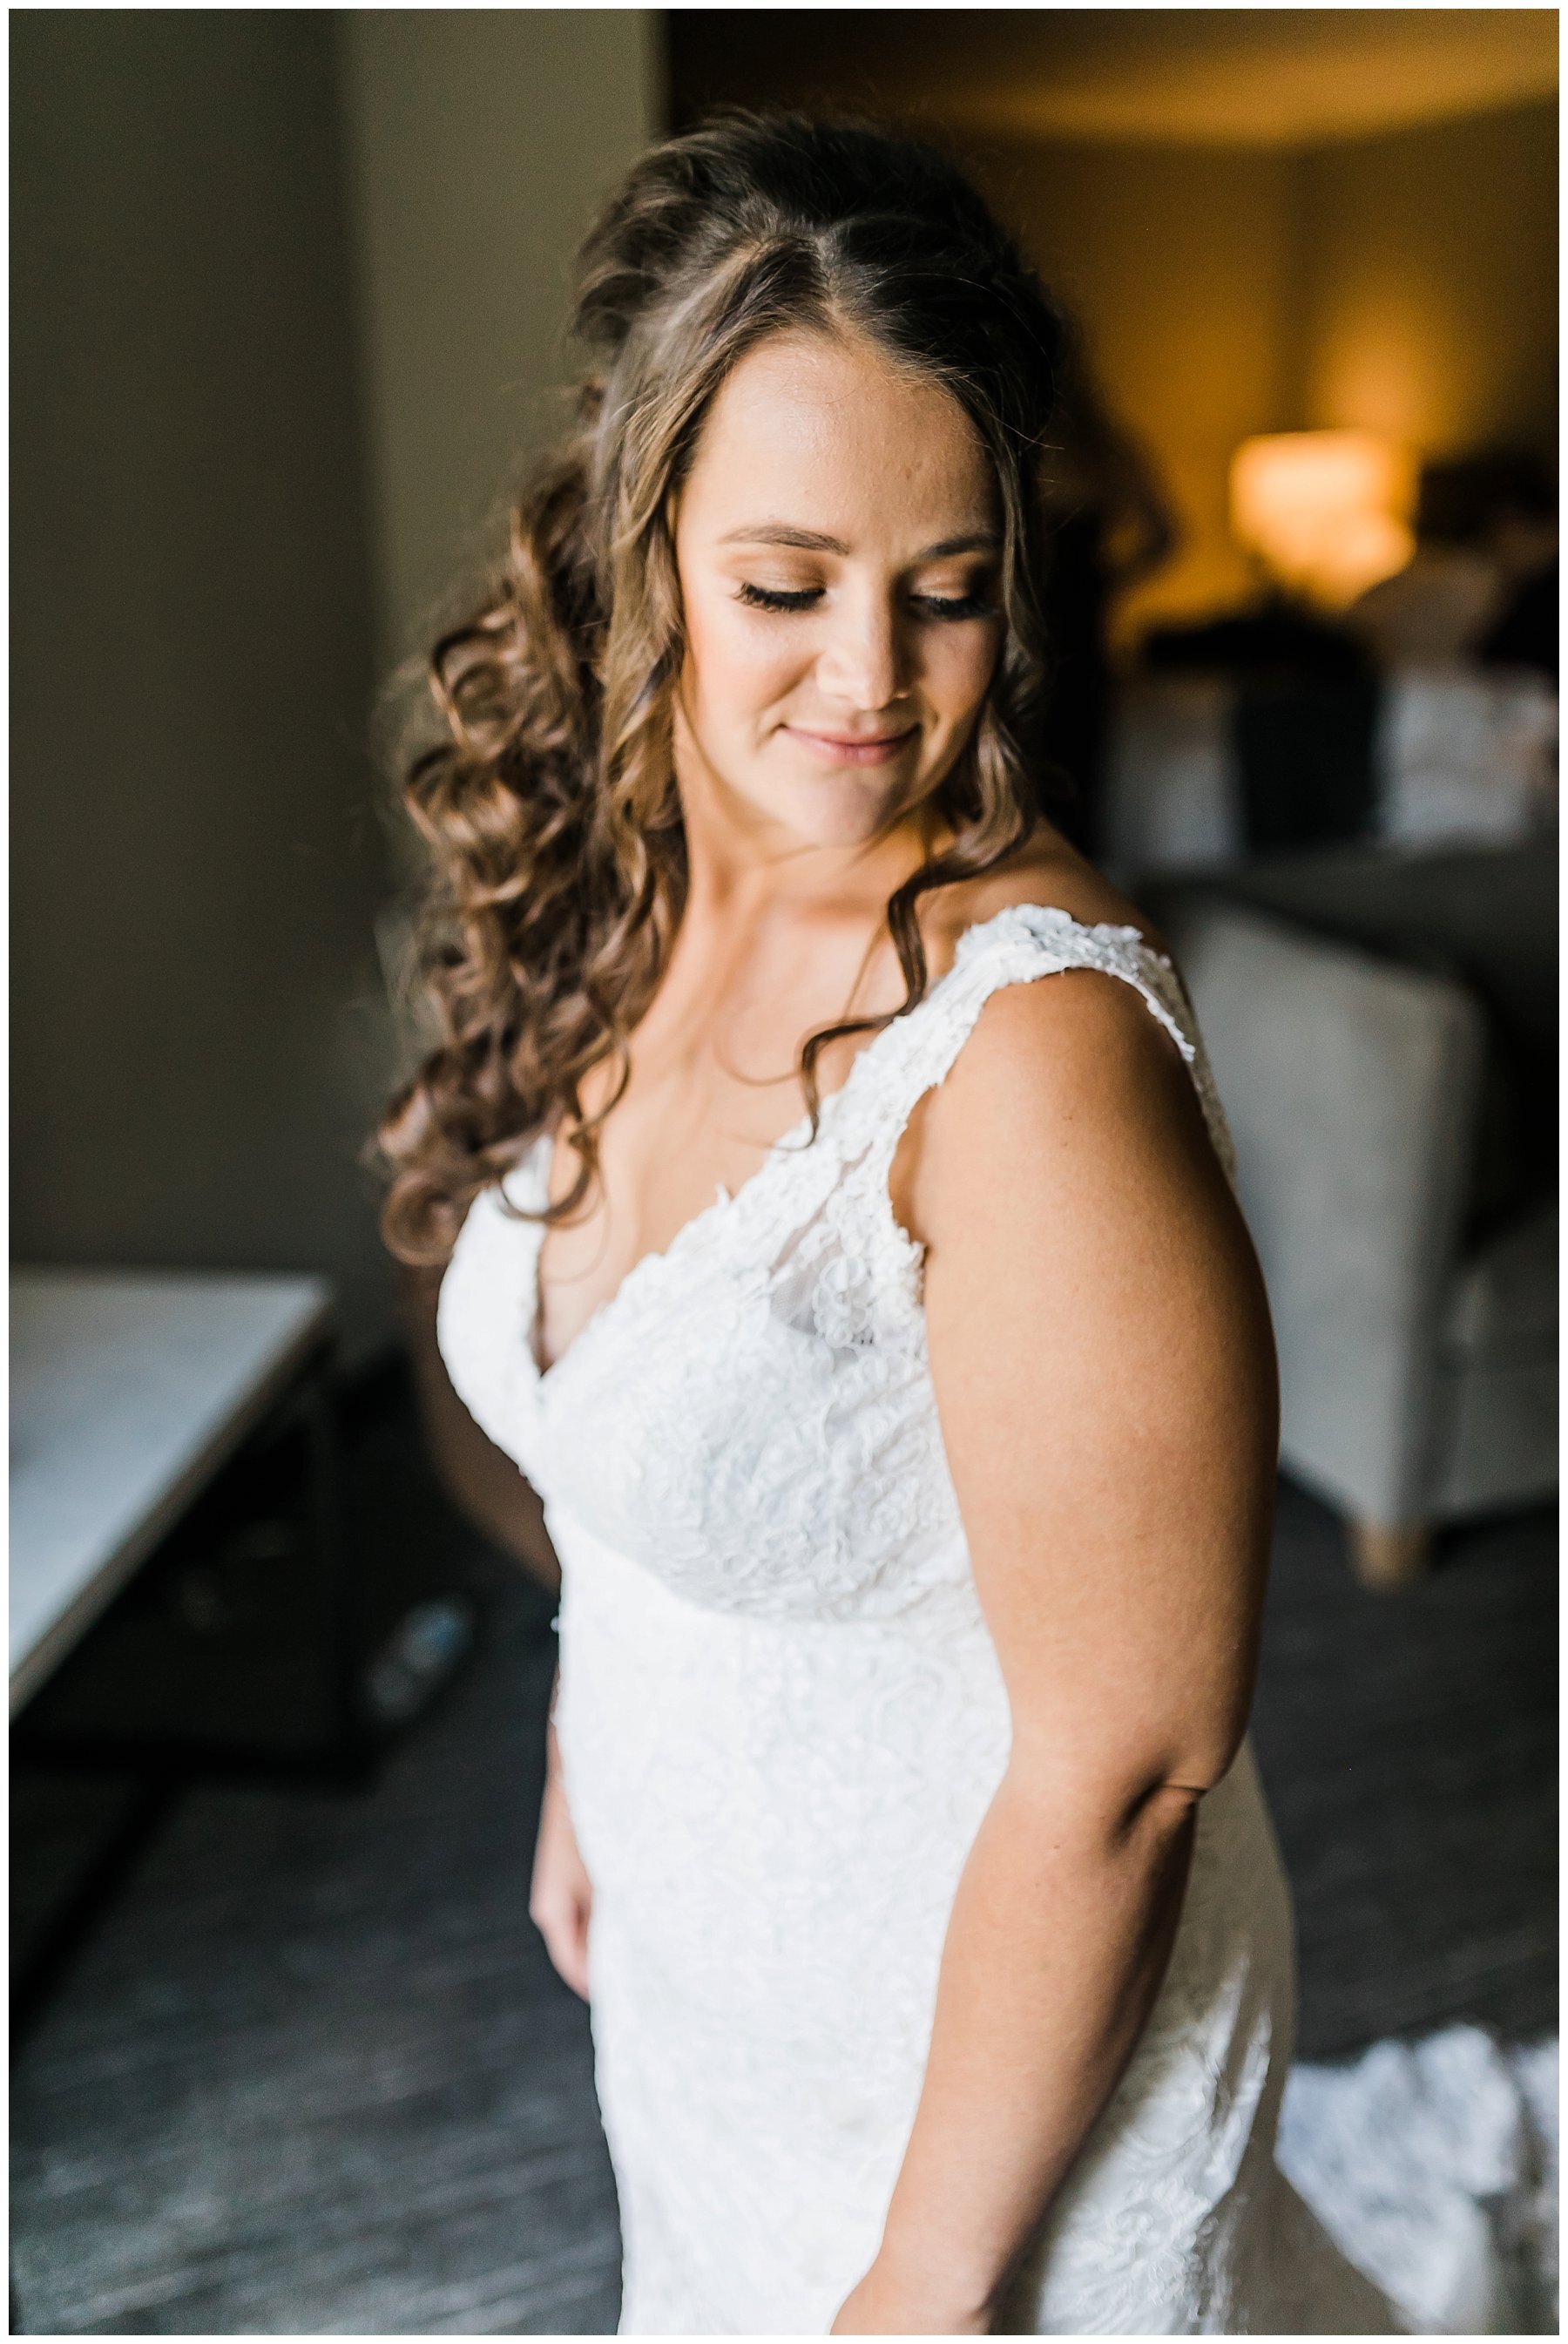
[(876, 1323)]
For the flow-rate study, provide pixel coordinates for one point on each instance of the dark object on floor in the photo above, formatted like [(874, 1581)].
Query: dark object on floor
[(316, 2074), (424, 1650)]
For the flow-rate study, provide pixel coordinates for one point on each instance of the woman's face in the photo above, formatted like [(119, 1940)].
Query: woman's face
[(838, 543)]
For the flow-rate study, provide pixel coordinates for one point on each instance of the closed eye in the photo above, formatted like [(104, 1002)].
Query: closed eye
[(774, 598), (930, 606), (953, 606)]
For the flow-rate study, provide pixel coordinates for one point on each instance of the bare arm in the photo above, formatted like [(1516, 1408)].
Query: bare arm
[(1105, 1373), (479, 1478)]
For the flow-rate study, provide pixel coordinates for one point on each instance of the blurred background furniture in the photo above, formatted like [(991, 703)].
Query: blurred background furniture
[(1212, 764), (173, 1453), (1419, 711), (188, 1600), (1382, 1032), (129, 1390)]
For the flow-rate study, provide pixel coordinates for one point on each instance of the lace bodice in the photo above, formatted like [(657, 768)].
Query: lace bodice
[(750, 1413)]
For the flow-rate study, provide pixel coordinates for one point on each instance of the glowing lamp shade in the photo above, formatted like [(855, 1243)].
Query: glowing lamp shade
[(1327, 512)]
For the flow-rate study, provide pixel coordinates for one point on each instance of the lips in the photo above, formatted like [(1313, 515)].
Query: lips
[(851, 748)]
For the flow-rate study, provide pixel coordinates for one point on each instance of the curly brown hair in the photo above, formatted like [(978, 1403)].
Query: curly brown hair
[(548, 802)]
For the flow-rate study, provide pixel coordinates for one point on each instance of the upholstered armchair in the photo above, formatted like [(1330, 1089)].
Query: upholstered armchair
[(1405, 1222)]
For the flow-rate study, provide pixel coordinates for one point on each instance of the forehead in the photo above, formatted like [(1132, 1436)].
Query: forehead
[(834, 434)]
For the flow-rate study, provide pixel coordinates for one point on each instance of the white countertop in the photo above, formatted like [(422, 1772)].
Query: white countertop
[(129, 1390)]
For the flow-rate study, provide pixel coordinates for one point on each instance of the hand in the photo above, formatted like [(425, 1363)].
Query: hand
[(561, 1900), (885, 2305)]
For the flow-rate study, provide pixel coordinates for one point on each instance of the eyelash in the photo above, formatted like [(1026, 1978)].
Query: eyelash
[(935, 606)]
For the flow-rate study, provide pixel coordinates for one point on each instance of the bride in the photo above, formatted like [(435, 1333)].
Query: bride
[(875, 1321)]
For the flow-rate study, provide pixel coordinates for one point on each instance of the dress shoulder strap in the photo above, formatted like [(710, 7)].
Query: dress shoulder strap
[(1023, 942)]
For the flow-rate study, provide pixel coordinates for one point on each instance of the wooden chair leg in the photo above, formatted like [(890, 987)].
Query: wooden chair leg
[(1385, 1555)]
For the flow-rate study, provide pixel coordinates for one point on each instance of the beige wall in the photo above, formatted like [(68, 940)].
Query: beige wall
[(1430, 283), (193, 867), (480, 143), (1180, 261), (1404, 283), (220, 521)]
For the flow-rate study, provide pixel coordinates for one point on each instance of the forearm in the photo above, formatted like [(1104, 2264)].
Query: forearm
[(1060, 1937)]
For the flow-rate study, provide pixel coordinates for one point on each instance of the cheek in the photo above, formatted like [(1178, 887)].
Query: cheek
[(959, 672), (737, 665)]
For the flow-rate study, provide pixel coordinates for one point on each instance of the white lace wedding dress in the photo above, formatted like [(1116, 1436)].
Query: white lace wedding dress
[(781, 1719)]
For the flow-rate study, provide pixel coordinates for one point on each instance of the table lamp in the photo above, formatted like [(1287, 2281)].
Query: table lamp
[(1327, 512)]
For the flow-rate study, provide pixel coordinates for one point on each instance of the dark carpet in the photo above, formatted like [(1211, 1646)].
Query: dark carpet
[(312, 2073), (1408, 1743)]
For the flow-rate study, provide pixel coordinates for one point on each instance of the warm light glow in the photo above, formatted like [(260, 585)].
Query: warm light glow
[(1328, 512)]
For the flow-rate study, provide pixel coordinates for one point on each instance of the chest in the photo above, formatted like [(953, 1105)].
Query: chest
[(705, 1104), (750, 1415), (672, 1141)]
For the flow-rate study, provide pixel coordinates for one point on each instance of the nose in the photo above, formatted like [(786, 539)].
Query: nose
[(864, 664)]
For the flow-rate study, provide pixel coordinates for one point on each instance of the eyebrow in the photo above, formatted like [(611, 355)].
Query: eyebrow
[(812, 541)]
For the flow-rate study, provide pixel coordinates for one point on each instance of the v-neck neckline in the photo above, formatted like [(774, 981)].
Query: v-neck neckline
[(786, 1147), (789, 1145)]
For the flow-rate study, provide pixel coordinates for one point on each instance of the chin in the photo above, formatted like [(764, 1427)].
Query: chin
[(840, 811), (818, 806), (842, 808)]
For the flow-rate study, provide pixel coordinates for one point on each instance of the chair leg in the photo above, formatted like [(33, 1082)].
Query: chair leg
[(1385, 1555)]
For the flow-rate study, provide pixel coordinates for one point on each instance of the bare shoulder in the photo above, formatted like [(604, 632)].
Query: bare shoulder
[(1066, 1156), (1047, 870), (1066, 1086), (1078, 1056)]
